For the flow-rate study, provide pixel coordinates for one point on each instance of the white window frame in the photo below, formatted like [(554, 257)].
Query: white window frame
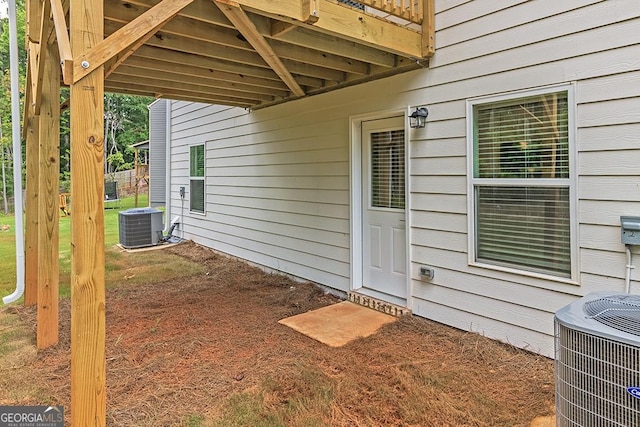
[(199, 178), (570, 183)]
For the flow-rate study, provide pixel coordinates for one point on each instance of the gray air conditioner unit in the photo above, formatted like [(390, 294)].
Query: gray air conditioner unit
[(597, 361), (140, 227)]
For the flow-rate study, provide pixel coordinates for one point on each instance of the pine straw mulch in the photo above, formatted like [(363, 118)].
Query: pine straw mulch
[(203, 350)]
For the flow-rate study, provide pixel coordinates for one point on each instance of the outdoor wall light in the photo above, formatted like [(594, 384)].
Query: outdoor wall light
[(418, 119)]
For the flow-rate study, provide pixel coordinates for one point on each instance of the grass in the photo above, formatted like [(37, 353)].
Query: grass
[(307, 394), (8, 248), (7, 254)]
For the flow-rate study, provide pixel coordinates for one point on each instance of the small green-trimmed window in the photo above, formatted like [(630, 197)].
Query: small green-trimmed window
[(520, 183), (196, 178)]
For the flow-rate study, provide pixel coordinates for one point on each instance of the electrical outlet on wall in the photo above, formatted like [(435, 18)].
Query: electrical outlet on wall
[(427, 273)]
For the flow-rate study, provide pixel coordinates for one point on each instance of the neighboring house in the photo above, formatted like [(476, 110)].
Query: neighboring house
[(158, 152), (512, 193)]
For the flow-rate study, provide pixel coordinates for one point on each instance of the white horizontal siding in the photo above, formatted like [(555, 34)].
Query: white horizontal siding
[(436, 202), (441, 147), (606, 264), (605, 212), (457, 261), (620, 137), (322, 196), (436, 88), (609, 162), (617, 86), (312, 222), (611, 188), (488, 326), (277, 187), (529, 23), (456, 223), (286, 205), (491, 47)]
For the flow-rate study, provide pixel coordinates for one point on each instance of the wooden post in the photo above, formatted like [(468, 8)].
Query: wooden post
[(31, 210), (32, 132), (88, 402), (48, 212), (135, 169), (428, 28)]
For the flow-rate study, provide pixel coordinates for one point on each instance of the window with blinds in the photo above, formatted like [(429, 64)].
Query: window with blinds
[(387, 169), (196, 178), (521, 184)]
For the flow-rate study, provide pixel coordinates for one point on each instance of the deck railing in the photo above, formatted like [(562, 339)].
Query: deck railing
[(411, 10)]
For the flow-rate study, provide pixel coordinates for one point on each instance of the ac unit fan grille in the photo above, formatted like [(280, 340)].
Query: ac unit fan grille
[(592, 376), (621, 312)]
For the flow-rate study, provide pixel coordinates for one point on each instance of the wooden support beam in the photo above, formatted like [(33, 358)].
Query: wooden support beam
[(221, 78), (88, 364), (46, 25), (27, 98), (279, 28), (64, 105), (125, 37), (115, 62), (310, 11), (35, 77), (33, 24), (48, 214), (299, 11), (153, 53), (239, 18), (347, 23), (165, 86), (64, 45), (174, 38), (306, 37), (428, 28), (332, 44), (31, 134)]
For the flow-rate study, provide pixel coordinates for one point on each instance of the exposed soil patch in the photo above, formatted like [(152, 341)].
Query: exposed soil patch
[(208, 351)]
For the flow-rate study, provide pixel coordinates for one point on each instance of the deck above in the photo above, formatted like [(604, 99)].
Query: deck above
[(246, 53)]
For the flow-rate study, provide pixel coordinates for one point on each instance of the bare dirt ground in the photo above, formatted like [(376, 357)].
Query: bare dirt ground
[(208, 351)]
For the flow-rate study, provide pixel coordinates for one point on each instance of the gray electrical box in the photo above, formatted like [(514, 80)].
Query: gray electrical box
[(630, 230)]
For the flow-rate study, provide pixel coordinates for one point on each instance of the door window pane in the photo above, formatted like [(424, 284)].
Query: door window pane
[(387, 169)]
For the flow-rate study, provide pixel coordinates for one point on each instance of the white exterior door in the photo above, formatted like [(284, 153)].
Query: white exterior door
[(384, 255)]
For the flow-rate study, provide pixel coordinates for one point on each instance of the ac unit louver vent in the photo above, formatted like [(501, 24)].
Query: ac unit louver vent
[(621, 312), (597, 360)]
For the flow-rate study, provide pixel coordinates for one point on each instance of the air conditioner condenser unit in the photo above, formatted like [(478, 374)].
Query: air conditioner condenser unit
[(597, 361), (140, 227)]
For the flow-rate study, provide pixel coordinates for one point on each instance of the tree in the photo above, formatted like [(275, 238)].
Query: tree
[(6, 154), (4, 175), (126, 122), (4, 40), (126, 116)]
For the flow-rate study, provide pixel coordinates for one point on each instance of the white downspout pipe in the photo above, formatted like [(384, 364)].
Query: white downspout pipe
[(17, 155), (167, 185), (627, 277)]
